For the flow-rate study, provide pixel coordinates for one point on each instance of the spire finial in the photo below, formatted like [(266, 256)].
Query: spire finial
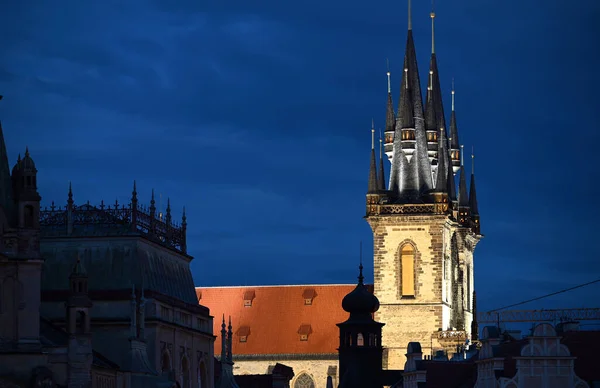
[(360, 267), (387, 61), (372, 134), (472, 160), (462, 155), (134, 194), (452, 94), (409, 15), (432, 14)]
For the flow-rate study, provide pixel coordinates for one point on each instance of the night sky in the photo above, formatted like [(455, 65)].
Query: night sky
[(256, 116)]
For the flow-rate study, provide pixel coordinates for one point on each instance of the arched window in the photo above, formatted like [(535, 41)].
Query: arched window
[(202, 376), (360, 340), (407, 263), (185, 373), (165, 362), (304, 381)]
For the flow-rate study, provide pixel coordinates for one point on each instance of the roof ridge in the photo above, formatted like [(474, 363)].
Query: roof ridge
[(279, 285)]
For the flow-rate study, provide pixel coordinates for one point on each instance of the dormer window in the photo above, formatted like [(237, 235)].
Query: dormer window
[(304, 331), (308, 295), (249, 296), (243, 333)]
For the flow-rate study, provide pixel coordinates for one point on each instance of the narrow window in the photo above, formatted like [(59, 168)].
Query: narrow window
[(360, 340), (407, 261)]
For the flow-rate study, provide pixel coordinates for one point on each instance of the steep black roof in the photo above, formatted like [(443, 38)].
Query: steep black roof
[(372, 174), (473, 197), (463, 199)]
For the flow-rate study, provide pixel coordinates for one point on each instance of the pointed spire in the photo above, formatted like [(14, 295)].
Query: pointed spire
[(230, 341), (6, 188), (381, 173), (360, 268), (463, 199), (472, 190), (70, 196), (183, 218), (454, 143), (432, 15), (372, 189), (389, 76), (430, 113), (152, 205), (409, 15), (390, 117), (223, 341), (134, 193)]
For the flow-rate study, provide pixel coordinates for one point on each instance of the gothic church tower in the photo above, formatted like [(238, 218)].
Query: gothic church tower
[(424, 233)]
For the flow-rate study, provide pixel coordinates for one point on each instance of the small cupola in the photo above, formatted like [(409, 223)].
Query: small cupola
[(360, 302)]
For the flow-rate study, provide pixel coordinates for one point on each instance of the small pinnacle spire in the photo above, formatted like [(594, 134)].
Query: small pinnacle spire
[(381, 173), (409, 15), (134, 193), (432, 14), (453, 94), (360, 267), (26, 151), (389, 76), (472, 160), (372, 134), (462, 156)]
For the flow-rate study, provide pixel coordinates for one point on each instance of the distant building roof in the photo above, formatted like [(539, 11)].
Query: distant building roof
[(269, 320)]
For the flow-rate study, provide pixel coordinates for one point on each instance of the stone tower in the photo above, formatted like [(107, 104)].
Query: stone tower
[(79, 330), (424, 234), (20, 258), (360, 340)]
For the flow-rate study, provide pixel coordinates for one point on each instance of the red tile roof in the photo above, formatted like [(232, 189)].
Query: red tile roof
[(278, 316)]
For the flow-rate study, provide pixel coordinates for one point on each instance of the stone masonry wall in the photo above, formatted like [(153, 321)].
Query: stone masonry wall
[(408, 318), (316, 369)]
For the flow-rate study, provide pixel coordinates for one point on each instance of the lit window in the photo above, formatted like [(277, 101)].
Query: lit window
[(360, 340), (407, 262)]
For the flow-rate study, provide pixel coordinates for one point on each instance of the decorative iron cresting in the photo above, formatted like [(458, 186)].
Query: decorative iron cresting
[(114, 220)]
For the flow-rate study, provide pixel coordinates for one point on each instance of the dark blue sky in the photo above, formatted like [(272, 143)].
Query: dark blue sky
[(257, 117)]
